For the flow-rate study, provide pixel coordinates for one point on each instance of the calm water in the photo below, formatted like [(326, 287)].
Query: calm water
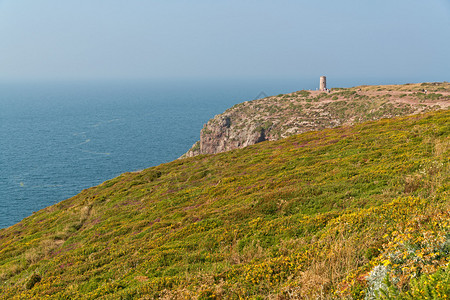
[(57, 139)]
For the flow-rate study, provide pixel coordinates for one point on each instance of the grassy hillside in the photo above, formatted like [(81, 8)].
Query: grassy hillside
[(318, 215)]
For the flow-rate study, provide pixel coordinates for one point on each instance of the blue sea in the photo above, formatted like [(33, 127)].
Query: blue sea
[(58, 138)]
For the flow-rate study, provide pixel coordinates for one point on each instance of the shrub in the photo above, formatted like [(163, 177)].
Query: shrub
[(32, 281), (304, 93), (431, 287)]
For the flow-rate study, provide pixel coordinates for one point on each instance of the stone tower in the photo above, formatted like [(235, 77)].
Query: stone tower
[(323, 83)]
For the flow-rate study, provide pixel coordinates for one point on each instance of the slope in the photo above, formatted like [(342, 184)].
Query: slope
[(321, 214)]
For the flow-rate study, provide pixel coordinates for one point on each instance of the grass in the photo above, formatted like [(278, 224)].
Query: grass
[(314, 215)]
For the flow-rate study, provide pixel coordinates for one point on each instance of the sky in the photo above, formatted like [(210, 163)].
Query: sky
[(398, 40)]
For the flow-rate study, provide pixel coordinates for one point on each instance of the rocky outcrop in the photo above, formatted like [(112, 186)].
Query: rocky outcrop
[(280, 116)]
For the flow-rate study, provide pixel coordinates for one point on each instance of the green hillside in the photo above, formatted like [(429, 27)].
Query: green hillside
[(328, 214)]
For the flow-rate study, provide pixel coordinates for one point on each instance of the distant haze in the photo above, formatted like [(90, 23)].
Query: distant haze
[(368, 41)]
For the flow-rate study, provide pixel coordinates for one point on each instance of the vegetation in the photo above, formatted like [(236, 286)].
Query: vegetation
[(350, 212)]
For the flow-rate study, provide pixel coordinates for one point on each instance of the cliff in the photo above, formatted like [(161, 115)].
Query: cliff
[(277, 117)]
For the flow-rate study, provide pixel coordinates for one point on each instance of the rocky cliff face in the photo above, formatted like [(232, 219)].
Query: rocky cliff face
[(280, 116)]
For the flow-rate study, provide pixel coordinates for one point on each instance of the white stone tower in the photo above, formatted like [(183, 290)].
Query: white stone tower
[(323, 83)]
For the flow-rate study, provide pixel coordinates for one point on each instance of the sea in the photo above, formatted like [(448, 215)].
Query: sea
[(58, 138)]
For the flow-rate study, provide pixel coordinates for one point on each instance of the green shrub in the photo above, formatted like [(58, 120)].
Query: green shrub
[(35, 278), (427, 287)]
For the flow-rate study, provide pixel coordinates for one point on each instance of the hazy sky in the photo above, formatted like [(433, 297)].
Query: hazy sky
[(402, 40)]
